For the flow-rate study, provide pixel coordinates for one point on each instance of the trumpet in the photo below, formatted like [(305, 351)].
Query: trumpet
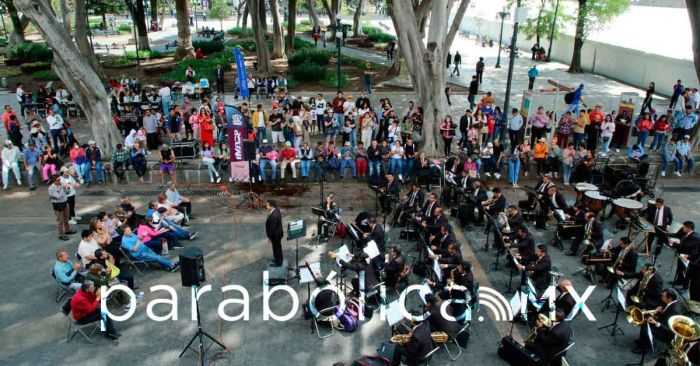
[(637, 316), (546, 322), (438, 337)]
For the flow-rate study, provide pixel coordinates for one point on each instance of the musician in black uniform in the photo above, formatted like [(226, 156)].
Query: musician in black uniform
[(420, 345), (694, 275), (576, 218), (515, 218), (389, 193), (395, 263), (539, 192), (623, 259), (414, 201), (658, 324), (555, 201), (651, 285), (330, 209), (661, 217), (438, 220), (427, 211), (448, 261), (551, 340), (689, 245), (493, 209), (462, 276), (436, 320), (441, 242), (525, 245), (359, 264), (564, 301), (594, 230), (540, 268), (474, 201)]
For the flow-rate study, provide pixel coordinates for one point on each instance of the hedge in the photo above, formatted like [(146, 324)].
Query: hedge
[(208, 47), (300, 44), (204, 68), (242, 45), (238, 31), (45, 75), (308, 71), (124, 28), (381, 37), (31, 67), (313, 55), (24, 52)]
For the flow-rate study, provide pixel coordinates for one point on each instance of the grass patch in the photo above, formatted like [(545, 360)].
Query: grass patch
[(376, 34), (124, 29), (148, 55), (238, 31), (45, 75), (241, 45), (9, 72), (330, 80), (300, 44)]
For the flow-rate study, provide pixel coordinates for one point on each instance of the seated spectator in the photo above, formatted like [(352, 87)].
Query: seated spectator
[(182, 203), (347, 156), (156, 239), (636, 153), (268, 156), (111, 269), (104, 239), (134, 245), (171, 211), (67, 272), (85, 306), (110, 224), (683, 156), (87, 247), (160, 221), (289, 157), (101, 277)]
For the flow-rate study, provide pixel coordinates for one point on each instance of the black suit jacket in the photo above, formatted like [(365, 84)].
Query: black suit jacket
[(360, 265), (515, 221), (549, 342), (392, 189), (652, 294), (393, 270), (663, 332), (431, 214), (478, 197), (420, 344), (273, 225), (498, 206), (565, 302), (437, 223), (666, 213), (540, 275), (560, 200), (689, 244), (377, 234), (438, 323), (629, 263), (220, 73), (443, 242), (526, 249), (418, 201)]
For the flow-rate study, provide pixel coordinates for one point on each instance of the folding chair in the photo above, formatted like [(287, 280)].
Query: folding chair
[(74, 327), (454, 340), (426, 359), (560, 355), (133, 262), (61, 289), (325, 312)]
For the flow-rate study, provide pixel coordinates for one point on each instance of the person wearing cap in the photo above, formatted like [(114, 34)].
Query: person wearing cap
[(487, 160), (93, 155), (31, 161), (67, 180), (540, 155), (167, 163), (58, 196), (683, 150), (668, 155), (347, 156), (289, 157), (268, 156), (10, 157)]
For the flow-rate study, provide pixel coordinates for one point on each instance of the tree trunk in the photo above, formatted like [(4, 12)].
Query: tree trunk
[(138, 15), (539, 21), (259, 22), (81, 39), (184, 38), (277, 32), (154, 11), (291, 25), (65, 16), (332, 8), (17, 35), (239, 12), (310, 5), (75, 72), (356, 26), (246, 13), (575, 66)]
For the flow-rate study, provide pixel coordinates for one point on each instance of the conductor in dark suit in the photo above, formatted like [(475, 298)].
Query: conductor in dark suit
[(420, 345), (660, 216), (274, 230), (659, 323)]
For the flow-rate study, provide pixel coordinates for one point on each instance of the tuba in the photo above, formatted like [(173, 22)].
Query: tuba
[(637, 316), (438, 337), (686, 330), (546, 322)]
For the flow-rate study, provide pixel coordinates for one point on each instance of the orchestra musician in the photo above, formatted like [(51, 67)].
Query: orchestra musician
[(539, 192), (475, 199), (460, 280), (648, 289), (414, 201), (592, 231), (389, 193), (438, 220), (622, 259), (420, 345), (564, 301), (394, 266), (493, 206), (525, 245), (449, 260), (576, 217), (689, 245), (550, 340), (428, 209), (440, 244), (437, 322), (515, 218), (330, 209), (376, 234), (555, 201), (540, 268), (658, 323), (660, 216), (359, 264)]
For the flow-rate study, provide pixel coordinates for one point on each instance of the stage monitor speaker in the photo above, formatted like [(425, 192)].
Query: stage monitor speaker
[(248, 150), (192, 266)]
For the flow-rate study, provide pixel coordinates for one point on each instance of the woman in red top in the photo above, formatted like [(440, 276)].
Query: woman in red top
[(643, 128), (85, 306), (207, 127), (447, 131), (661, 127)]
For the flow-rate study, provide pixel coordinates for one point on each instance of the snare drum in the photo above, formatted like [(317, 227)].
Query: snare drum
[(625, 206), (595, 201)]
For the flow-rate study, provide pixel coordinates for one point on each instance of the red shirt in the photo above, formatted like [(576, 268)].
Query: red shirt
[(644, 125), (6, 119), (338, 105), (83, 304), (596, 117), (288, 153), (661, 125)]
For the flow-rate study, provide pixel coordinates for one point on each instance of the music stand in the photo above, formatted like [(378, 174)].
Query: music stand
[(609, 301), (661, 239), (296, 230), (200, 334), (618, 305)]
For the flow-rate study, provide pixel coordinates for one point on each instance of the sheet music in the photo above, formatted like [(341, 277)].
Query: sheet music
[(371, 249), (425, 290), (305, 276), (438, 271), (393, 313), (651, 336), (606, 245), (515, 304), (561, 214), (621, 298), (344, 254)]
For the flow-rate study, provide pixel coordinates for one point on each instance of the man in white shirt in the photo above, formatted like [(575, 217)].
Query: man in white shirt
[(55, 123), (87, 247), (165, 98), (10, 157), (321, 105), (20, 97)]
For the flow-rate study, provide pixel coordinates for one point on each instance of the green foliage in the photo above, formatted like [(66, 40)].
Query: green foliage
[(219, 10), (330, 80), (381, 37), (313, 55), (308, 72), (31, 67), (302, 44), (148, 55), (3, 42), (247, 46), (124, 28), (204, 68), (380, 46), (7, 72), (45, 75), (367, 29), (238, 31), (116, 62), (599, 13), (532, 29), (30, 52), (208, 47), (303, 26)]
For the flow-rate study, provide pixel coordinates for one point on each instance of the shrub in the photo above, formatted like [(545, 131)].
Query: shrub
[(308, 71), (313, 55), (147, 55), (367, 29), (9, 72), (304, 26), (300, 44), (242, 45), (45, 75), (330, 80), (30, 52), (238, 31), (31, 67), (208, 47), (124, 28), (3, 42), (381, 37), (204, 68)]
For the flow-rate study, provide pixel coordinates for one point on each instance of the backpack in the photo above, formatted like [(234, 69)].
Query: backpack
[(569, 97), (347, 319)]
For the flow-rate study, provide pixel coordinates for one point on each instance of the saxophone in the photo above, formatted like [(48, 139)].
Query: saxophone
[(620, 259), (642, 286), (503, 221), (438, 337), (450, 281), (546, 322)]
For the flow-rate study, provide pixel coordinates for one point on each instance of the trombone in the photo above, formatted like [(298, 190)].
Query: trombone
[(637, 316)]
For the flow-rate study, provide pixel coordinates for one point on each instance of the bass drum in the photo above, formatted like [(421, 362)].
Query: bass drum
[(627, 189)]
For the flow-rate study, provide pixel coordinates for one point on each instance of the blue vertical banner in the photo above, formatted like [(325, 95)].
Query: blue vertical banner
[(240, 71)]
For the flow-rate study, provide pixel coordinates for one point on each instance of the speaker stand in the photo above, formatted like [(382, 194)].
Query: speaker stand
[(200, 334)]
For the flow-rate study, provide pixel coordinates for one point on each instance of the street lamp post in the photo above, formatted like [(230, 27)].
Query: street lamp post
[(511, 62), (136, 42), (551, 32), (503, 15)]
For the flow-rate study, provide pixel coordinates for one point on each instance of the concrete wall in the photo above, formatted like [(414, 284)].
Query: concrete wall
[(627, 65)]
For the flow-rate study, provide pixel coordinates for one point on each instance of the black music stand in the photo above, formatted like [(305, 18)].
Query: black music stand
[(609, 301), (200, 334), (296, 230), (613, 326)]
